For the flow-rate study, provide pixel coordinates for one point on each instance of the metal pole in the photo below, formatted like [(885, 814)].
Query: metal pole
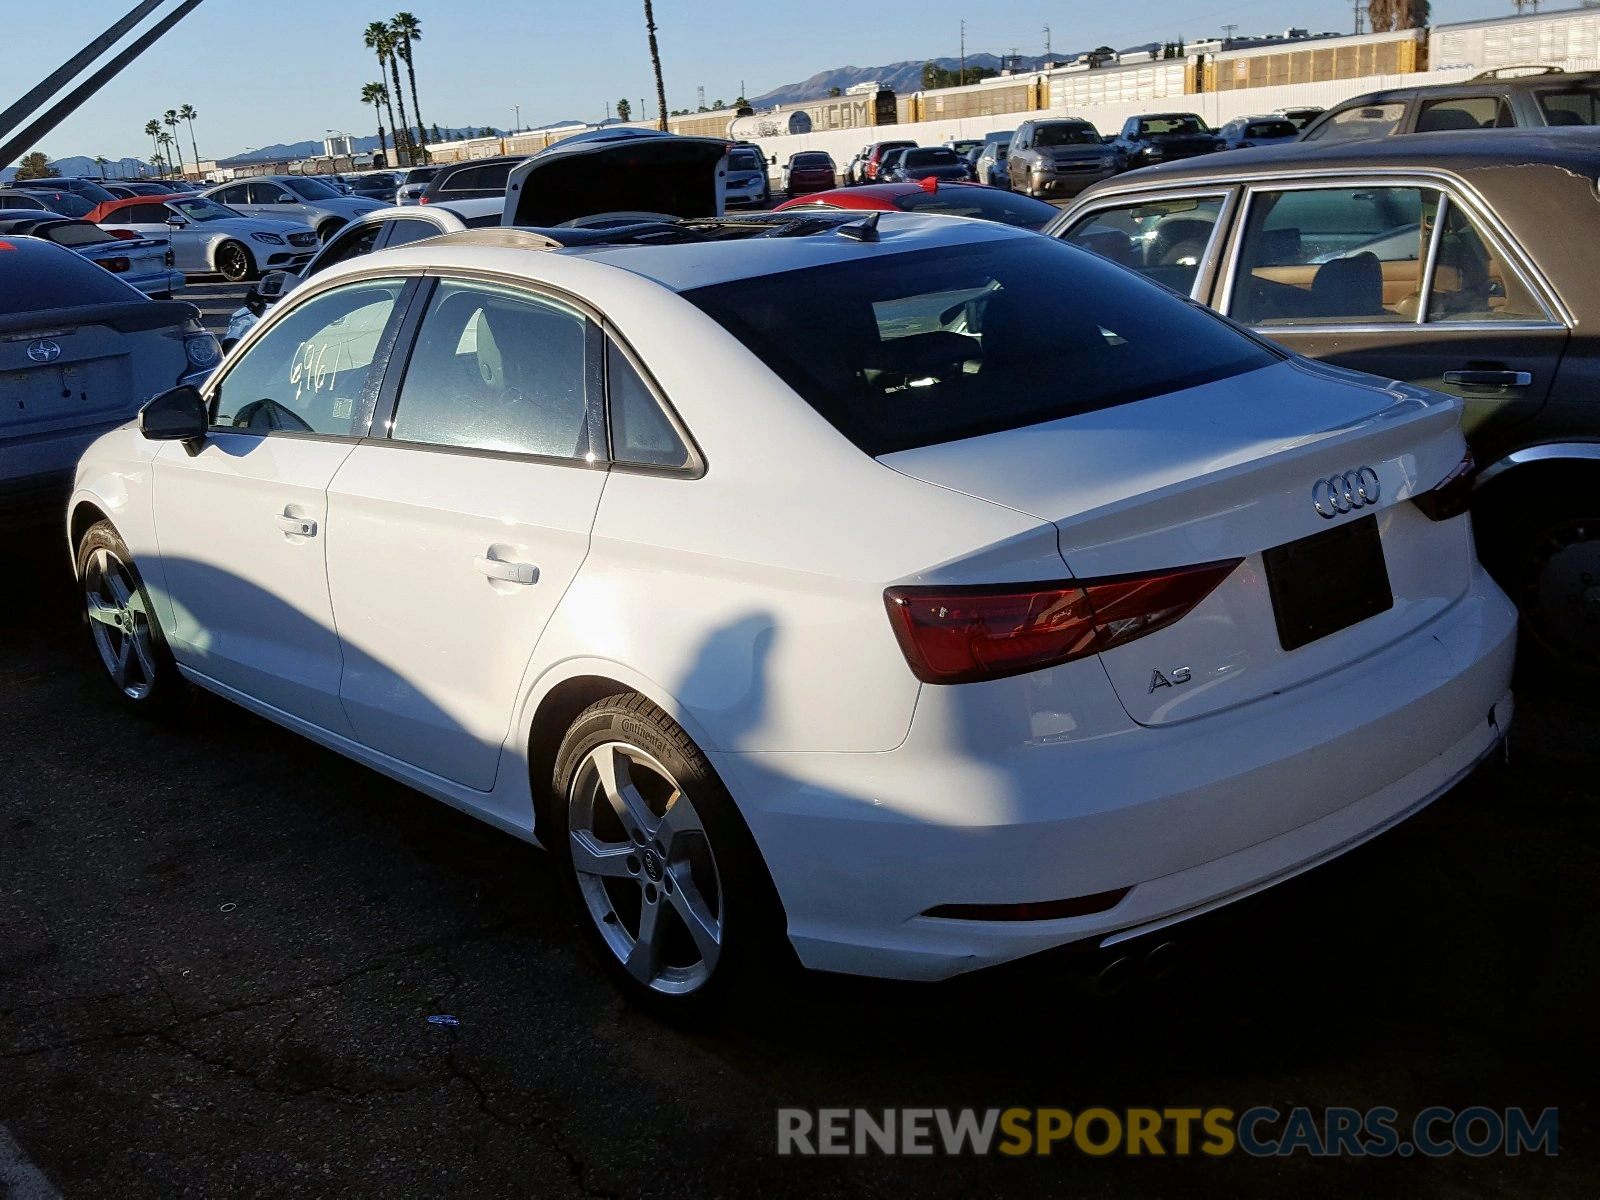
[(961, 79), (75, 98), (69, 70)]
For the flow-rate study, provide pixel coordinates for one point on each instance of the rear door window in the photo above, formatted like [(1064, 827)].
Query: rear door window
[(904, 350), (499, 369), (1464, 112), (1165, 240), (1332, 254)]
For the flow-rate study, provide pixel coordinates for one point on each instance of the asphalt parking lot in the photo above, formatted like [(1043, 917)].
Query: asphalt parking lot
[(220, 946)]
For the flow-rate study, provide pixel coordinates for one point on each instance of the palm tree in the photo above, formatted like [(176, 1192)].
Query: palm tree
[(152, 130), (170, 120), (407, 29), (655, 61), (100, 160), (377, 38), (375, 94), (187, 113), (166, 140)]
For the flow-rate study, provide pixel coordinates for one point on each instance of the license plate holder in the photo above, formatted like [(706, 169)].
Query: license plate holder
[(1328, 581)]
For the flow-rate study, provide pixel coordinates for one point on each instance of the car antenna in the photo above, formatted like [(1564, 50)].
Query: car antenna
[(864, 230)]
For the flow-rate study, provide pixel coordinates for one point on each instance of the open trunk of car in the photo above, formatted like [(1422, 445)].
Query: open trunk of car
[(635, 170)]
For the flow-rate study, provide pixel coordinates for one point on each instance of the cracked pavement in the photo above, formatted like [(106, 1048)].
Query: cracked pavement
[(220, 944)]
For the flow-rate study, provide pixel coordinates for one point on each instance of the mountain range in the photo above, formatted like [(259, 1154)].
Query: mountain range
[(903, 77)]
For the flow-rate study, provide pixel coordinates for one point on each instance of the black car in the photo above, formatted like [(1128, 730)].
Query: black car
[(927, 162), (375, 185), (1493, 100), (1457, 261), (87, 188), (1162, 137), (45, 200), (470, 180)]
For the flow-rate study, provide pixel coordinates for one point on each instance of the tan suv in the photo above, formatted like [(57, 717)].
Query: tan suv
[(1058, 158)]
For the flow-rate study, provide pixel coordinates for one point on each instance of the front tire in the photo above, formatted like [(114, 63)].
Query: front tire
[(670, 888), (235, 263), (122, 626), (327, 229)]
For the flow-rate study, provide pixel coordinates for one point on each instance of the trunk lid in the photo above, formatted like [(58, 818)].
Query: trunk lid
[(1226, 471), (72, 368), (608, 170)]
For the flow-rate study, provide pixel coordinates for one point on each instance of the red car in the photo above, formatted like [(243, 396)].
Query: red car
[(809, 171), (875, 154), (931, 196)]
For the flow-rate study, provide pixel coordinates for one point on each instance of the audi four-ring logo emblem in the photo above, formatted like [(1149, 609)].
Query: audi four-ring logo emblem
[(1345, 493), (44, 351)]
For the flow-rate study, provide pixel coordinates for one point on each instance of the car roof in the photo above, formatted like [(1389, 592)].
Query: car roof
[(682, 266), (1478, 85), (111, 206), (1575, 148)]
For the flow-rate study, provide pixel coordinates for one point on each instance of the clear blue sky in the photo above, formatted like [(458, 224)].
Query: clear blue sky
[(283, 70)]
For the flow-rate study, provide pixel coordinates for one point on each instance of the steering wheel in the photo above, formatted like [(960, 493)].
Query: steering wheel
[(269, 414)]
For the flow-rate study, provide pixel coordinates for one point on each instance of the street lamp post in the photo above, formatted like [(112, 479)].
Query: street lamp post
[(516, 125)]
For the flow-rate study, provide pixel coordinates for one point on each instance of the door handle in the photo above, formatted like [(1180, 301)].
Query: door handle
[(510, 572), (1489, 379), (302, 526)]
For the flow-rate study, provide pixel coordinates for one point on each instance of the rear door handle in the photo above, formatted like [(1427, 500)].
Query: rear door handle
[(1489, 379), (510, 572), (301, 526)]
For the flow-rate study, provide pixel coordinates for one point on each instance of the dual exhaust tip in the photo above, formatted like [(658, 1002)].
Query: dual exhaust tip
[(1153, 964)]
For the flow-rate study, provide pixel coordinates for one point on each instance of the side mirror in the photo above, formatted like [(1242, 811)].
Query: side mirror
[(176, 415), (269, 289), (773, 161), (286, 200), (176, 222)]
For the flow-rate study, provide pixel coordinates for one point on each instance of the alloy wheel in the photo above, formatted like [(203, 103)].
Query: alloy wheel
[(120, 623), (646, 869)]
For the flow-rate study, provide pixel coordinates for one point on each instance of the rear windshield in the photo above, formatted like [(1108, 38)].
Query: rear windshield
[(1176, 123), (77, 235), (905, 350), (937, 157), (1065, 135), (37, 278), (812, 160), (475, 178), (1270, 129), (984, 203)]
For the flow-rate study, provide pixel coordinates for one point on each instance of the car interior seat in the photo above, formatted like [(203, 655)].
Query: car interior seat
[(1349, 287)]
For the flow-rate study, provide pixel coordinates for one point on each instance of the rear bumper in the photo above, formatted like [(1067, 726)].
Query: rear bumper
[(970, 811)]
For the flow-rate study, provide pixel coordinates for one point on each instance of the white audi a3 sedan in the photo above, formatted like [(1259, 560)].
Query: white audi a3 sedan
[(912, 592)]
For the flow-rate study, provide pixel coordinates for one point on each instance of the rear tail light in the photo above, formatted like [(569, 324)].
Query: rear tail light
[(1452, 495), (116, 265), (966, 634)]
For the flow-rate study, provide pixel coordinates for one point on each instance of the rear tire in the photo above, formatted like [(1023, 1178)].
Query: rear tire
[(235, 263), (670, 889), (1543, 548), (123, 631)]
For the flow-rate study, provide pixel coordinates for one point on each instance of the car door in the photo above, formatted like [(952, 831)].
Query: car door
[(460, 523), (1341, 273), (237, 197), (273, 200), (242, 520)]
